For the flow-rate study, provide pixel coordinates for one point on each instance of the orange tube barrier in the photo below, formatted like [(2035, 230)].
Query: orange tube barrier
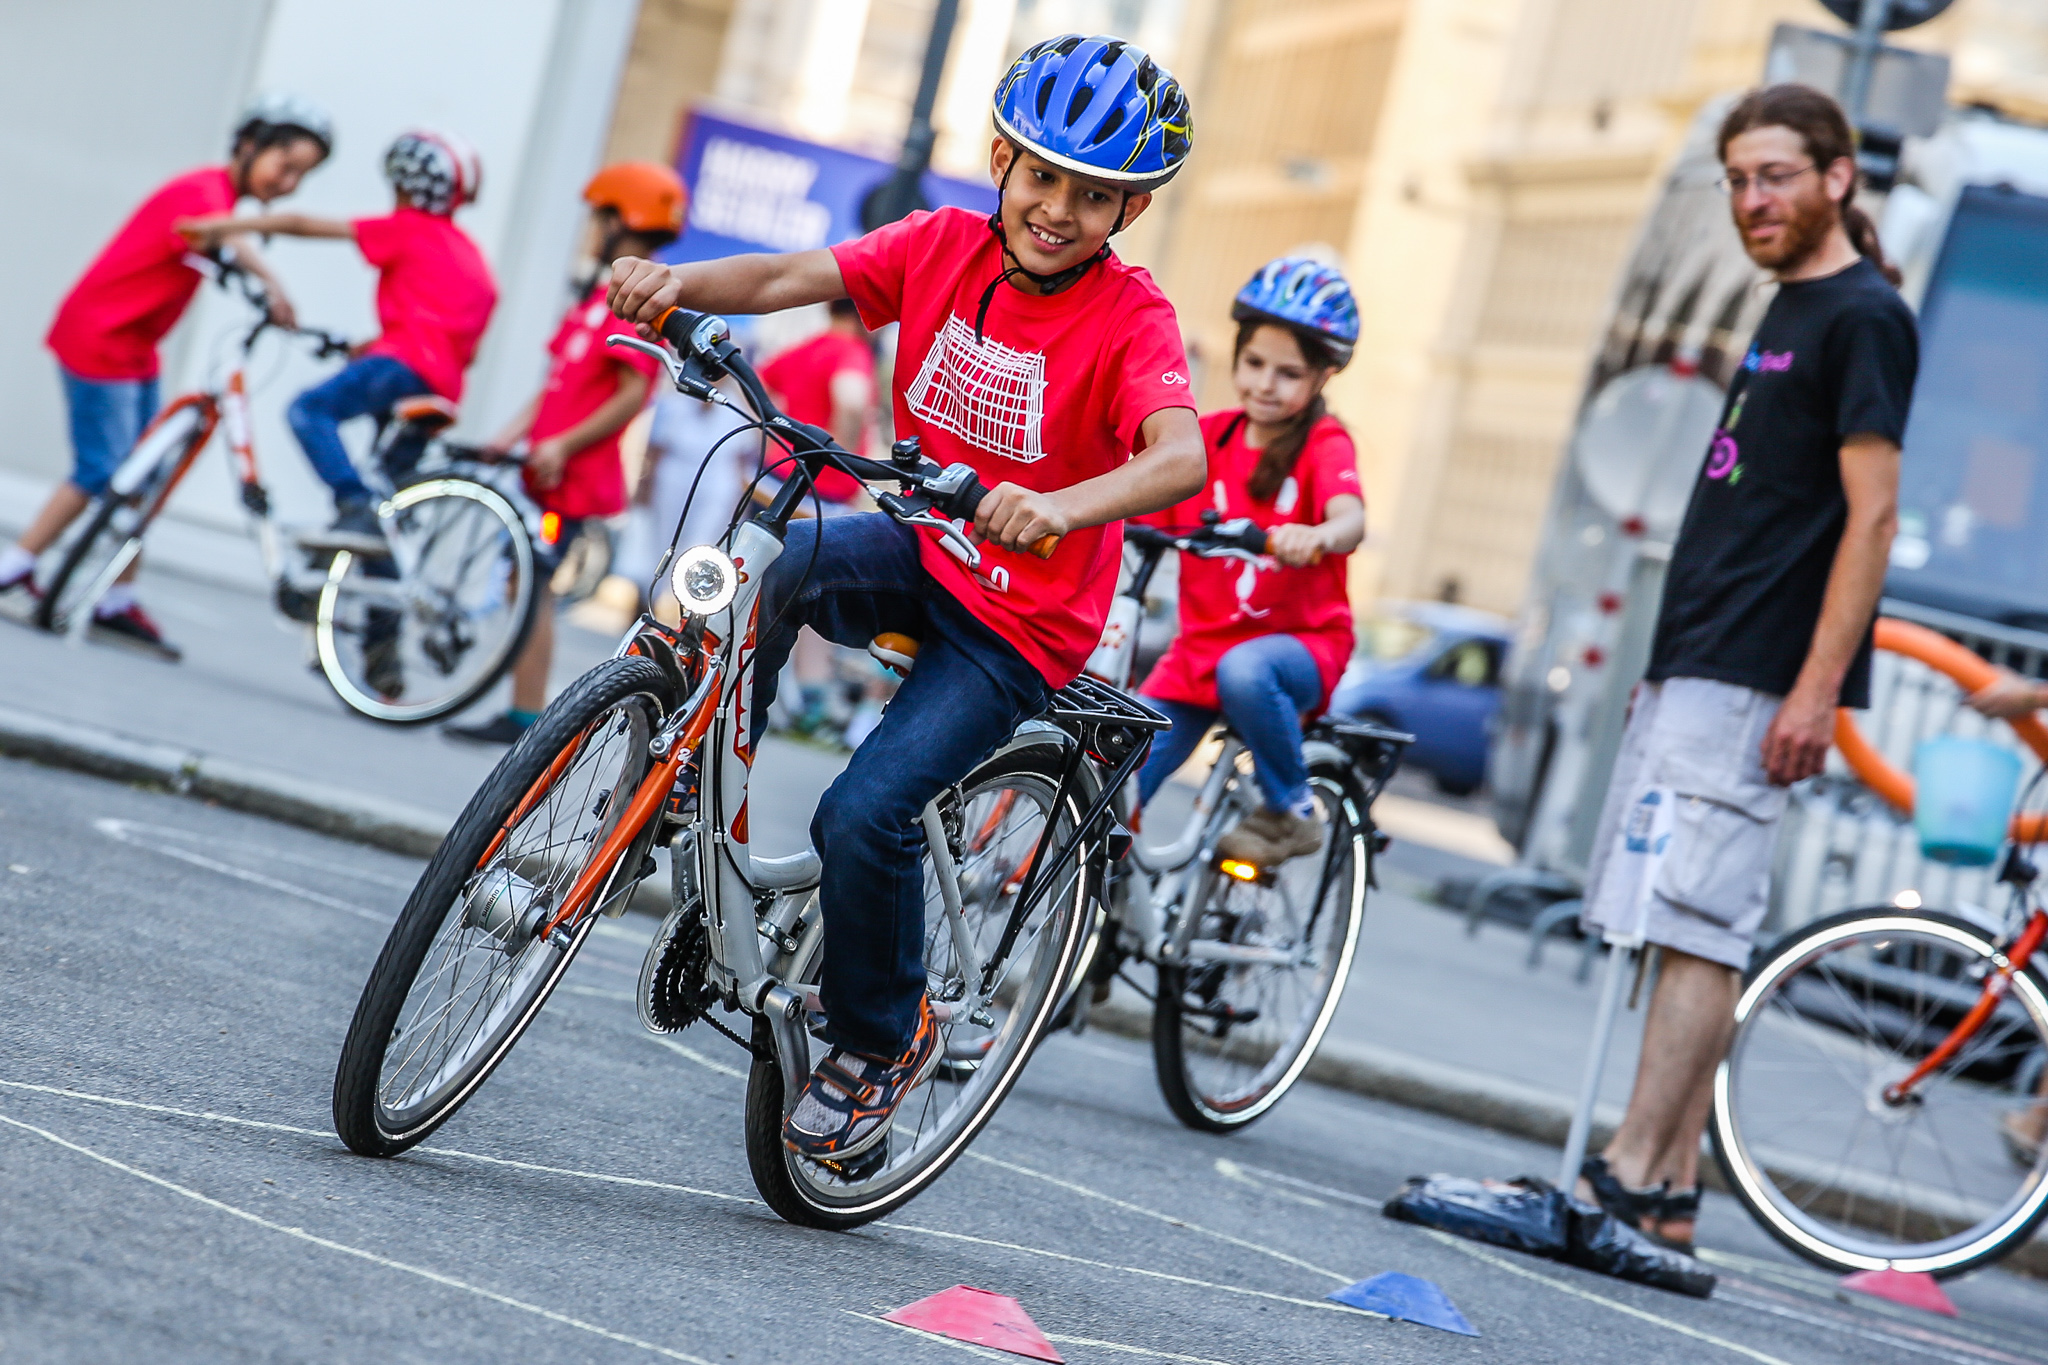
[(1970, 673)]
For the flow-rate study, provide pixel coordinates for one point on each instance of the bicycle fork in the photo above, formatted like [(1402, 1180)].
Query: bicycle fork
[(1996, 987)]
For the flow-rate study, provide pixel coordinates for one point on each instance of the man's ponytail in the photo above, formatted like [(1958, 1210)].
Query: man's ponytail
[(1824, 128)]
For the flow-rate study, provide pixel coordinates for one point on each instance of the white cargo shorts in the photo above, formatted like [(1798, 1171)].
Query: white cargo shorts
[(1703, 742)]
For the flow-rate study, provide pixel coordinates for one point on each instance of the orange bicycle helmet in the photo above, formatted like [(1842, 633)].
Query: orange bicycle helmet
[(648, 197)]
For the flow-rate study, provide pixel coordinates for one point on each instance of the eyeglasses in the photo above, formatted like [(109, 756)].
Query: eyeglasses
[(1770, 182)]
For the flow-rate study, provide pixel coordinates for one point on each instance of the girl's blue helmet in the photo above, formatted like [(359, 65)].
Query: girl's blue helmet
[(1099, 107), (1304, 293)]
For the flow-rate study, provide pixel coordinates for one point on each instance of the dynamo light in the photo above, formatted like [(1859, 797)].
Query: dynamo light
[(705, 580), (1242, 871)]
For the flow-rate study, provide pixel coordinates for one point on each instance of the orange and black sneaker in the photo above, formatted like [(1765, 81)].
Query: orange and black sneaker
[(847, 1104)]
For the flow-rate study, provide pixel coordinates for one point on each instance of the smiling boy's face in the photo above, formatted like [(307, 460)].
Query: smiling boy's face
[(1054, 219)]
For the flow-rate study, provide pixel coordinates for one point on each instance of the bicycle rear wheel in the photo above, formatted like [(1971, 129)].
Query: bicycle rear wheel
[(464, 971), (1234, 1027), (421, 633), (1014, 794), (114, 524), (1838, 1011)]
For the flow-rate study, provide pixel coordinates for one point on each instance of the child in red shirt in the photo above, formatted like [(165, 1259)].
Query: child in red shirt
[(106, 331), (1028, 351), (573, 424), (1265, 643), (434, 298)]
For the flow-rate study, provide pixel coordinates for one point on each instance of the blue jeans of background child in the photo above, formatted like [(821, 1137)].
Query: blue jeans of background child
[(1264, 685), (970, 689), (107, 417), (365, 388)]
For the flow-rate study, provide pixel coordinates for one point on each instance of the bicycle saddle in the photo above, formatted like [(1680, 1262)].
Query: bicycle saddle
[(894, 652), (427, 412)]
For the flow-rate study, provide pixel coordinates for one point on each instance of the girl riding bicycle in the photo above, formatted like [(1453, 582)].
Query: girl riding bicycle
[(1031, 353), (106, 331), (1265, 644)]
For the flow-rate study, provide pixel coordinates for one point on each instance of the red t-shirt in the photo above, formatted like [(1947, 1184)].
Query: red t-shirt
[(1225, 602), (582, 374), (1052, 394), (434, 294), (801, 380), (108, 326)]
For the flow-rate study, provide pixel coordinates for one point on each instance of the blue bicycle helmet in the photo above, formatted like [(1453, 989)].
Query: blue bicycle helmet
[(1303, 293), (1099, 107)]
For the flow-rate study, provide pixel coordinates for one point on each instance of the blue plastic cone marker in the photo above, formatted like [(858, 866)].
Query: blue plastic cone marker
[(1407, 1298)]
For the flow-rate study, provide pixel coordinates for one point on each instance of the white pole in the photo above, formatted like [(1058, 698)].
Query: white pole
[(1619, 958)]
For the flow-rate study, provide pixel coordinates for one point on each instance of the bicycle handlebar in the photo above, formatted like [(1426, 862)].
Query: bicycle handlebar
[(1241, 538), (705, 342), (226, 270)]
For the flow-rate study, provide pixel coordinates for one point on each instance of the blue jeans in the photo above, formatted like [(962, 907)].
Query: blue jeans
[(1264, 685), (107, 417), (970, 689), (365, 388)]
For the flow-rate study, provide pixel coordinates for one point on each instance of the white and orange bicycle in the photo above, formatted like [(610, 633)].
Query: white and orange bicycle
[(404, 638)]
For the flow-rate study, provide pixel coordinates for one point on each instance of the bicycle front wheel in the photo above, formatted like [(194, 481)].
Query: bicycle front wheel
[(420, 633), (1235, 1025), (1006, 804), (466, 969), (114, 524), (1839, 1011)]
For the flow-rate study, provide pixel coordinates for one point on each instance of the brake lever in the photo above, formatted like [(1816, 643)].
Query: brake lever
[(952, 534), (678, 370)]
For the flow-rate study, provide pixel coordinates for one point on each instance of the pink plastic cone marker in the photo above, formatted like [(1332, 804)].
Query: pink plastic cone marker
[(965, 1313), (1913, 1288)]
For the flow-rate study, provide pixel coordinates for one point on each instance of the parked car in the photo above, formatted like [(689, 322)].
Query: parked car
[(1433, 670)]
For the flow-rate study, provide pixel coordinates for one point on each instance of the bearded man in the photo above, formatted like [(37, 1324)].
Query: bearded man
[(1765, 626)]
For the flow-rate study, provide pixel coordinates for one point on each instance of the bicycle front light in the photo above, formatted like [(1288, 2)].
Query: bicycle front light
[(705, 580)]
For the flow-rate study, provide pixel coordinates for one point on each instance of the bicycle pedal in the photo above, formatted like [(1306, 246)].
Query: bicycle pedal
[(859, 1168)]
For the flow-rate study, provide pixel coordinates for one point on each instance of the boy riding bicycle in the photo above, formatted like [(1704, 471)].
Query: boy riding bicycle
[(1031, 353), (106, 331), (434, 298)]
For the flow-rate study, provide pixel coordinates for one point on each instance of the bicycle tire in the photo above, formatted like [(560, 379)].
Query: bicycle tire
[(1835, 1215), (479, 871), (809, 1195), (103, 540), (1191, 1047), (456, 532)]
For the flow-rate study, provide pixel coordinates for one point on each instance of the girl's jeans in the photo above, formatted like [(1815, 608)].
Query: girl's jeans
[(1264, 685), (366, 388)]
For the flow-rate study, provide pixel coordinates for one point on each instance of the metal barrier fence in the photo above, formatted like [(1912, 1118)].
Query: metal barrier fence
[(1841, 844)]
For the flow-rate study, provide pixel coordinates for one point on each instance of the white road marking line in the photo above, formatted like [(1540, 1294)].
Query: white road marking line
[(604, 928), (1131, 1057), (1814, 1284), (596, 994), (1328, 1190), (328, 1244), (326, 1136), (1840, 1324), (699, 1058), (1324, 1305), (1230, 1170), (114, 829), (1131, 1350), (933, 1337), (264, 850), (1144, 1212), (1501, 1263)]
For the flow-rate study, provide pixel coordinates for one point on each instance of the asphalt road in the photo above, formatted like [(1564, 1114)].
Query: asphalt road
[(174, 982)]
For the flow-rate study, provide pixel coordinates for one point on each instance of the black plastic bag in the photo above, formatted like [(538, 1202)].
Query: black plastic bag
[(1534, 1216), (1523, 1215)]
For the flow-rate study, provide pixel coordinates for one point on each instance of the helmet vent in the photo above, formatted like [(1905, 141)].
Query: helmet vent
[(1079, 104), (1111, 121), (1045, 95), (1065, 47)]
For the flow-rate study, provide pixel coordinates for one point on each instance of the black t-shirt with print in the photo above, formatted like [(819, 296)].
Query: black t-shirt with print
[(1832, 358)]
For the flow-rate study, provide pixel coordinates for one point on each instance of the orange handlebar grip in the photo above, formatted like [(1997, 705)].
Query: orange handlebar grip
[(1044, 546)]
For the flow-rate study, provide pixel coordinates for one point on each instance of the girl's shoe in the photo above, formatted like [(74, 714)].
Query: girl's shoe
[(847, 1104), (1268, 838), (1672, 1223)]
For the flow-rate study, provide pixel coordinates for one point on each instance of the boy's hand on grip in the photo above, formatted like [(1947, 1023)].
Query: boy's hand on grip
[(1019, 519), (640, 292), (1295, 545)]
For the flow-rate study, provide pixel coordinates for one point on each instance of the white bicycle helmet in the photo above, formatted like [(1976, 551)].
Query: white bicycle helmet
[(438, 172), (276, 115)]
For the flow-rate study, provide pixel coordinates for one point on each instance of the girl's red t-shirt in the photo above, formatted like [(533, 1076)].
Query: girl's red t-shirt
[(583, 374), (435, 294), (1051, 393), (1225, 602)]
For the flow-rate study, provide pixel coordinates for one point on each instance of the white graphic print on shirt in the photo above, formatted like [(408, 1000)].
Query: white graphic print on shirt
[(983, 392)]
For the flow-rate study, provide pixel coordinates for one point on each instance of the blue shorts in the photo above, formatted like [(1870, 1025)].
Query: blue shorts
[(107, 418)]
